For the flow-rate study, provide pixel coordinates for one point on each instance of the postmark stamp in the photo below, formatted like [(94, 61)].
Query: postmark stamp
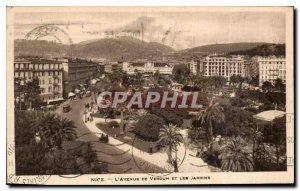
[(12, 178)]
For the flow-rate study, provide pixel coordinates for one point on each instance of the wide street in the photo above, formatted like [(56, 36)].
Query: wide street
[(118, 161)]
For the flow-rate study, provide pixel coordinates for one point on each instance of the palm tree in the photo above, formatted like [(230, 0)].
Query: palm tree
[(169, 135), (53, 130), (234, 159), (214, 113)]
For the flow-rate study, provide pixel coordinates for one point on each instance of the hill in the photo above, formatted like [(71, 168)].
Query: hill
[(215, 48), (110, 48), (263, 50), (40, 48)]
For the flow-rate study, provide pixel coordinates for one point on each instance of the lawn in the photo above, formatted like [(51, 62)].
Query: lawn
[(129, 138)]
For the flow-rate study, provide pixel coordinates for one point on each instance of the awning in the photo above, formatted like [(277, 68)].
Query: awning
[(71, 94), (55, 100), (77, 90), (269, 116), (94, 81)]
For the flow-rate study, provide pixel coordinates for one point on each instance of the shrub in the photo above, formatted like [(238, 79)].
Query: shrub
[(171, 115), (148, 126), (113, 124)]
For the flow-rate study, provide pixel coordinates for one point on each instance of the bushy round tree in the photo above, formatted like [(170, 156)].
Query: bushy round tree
[(148, 126)]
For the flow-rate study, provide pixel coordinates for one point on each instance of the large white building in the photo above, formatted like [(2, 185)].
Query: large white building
[(271, 68), (222, 66), (147, 67)]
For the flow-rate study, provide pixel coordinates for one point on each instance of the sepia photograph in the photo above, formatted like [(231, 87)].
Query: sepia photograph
[(150, 95)]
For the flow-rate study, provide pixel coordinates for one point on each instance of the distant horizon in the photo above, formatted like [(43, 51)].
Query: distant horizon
[(94, 40)]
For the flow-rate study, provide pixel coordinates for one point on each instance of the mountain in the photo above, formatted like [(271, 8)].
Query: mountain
[(131, 48), (263, 50), (215, 48), (39, 48), (110, 48)]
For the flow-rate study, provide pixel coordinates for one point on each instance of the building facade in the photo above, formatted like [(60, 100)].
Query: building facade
[(49, 73), (222, 66), (146, 67), (271, 68), (113, 67), (193, 67), (76, 72)]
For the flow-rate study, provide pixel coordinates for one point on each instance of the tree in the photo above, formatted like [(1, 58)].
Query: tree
[(279, 86), (234, 159), (181, 71), (170, 136), (23, 126), (219, 81), (233, 79), (172, 116), (156, 75), (19, 91), (201, 82), (41, 156), (214, 113), (267, 86), (238, 122), (53, 130), (148, 126), (32, 93), (240, 80), (254, 81), (278, 137)]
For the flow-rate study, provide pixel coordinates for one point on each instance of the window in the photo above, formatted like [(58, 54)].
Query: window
[(49, 89), (50, 80)]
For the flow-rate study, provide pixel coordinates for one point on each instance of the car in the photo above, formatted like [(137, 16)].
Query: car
[(66, 108), (88, 93)]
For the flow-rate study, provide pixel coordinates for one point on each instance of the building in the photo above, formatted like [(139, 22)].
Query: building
[(271, 68), (113, 67), (49, 73), (78, 72), (222, 66), (193, 67), (147, 67)]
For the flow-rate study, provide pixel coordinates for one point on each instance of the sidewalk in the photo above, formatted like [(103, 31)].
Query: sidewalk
[(190, 163)]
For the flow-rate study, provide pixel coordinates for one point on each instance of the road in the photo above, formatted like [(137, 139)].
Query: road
[(118, 161)]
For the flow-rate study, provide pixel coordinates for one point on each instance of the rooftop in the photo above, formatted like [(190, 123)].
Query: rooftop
[(269, 116)]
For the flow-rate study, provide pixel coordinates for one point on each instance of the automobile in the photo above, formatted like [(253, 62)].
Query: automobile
[(103, 138), (88, 93), (66, 108)]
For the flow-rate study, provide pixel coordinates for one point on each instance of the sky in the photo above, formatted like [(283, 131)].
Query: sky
[(179, 30)]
